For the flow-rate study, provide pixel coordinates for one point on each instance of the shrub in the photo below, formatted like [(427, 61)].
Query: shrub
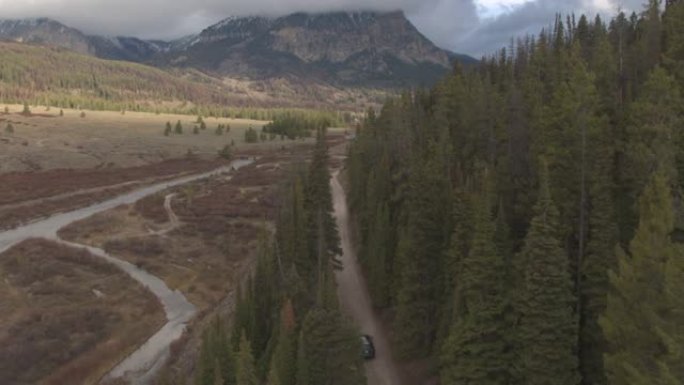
[(251, 135), (226, 153)]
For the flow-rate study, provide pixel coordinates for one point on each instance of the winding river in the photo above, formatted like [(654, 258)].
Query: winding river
[(141, 366)]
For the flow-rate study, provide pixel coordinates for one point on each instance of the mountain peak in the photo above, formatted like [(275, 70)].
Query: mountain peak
[(339, 47)]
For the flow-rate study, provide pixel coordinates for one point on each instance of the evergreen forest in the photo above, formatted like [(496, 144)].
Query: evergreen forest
[(522, 222)]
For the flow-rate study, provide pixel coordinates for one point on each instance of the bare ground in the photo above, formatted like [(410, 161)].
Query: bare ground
[(66, 317)]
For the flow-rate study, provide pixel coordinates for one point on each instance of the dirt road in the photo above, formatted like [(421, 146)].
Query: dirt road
[(355, 300), (142, 365)]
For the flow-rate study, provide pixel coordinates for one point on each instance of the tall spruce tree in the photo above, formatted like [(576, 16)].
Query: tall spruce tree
[(547, 334), (638, 309), (420, 257), (245, 369), (477, 350)]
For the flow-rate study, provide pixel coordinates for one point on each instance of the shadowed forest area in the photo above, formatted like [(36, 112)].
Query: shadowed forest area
[(521, 222)]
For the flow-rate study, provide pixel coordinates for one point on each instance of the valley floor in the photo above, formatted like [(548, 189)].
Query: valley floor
[(199, 238)]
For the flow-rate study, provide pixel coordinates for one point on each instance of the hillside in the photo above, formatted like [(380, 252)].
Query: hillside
[(345, 48), (53, 33), (62, 77)]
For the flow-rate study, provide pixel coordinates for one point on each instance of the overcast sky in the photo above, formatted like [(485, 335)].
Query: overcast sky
[(475, 27)]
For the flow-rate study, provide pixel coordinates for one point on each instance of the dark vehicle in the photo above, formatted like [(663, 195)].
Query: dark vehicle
[(367, 348)]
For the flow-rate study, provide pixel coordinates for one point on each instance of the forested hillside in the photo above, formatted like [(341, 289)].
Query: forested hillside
[(62, 78), (287, 328), (522, 222), (41, 75)]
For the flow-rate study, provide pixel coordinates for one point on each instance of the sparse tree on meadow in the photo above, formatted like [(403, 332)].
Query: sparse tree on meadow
[(179, 128), (226, 153), (251, 135), (27, 110), (9, 129)]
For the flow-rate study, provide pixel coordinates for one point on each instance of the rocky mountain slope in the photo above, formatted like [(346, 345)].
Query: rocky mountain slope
[(341, 59), (53, 33), (340, 47)]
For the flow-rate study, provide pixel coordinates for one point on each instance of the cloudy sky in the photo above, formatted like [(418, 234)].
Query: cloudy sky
[(475, 27)]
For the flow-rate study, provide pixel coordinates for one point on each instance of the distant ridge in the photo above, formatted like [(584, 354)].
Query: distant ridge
[(341, 47), (335, 59)]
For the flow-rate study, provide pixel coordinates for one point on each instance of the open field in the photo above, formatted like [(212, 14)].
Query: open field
[(66, 317), (26, 196), (51, 163), (219, 224), (201, 239), (103, 139)]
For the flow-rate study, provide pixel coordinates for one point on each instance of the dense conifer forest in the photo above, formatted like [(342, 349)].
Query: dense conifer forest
[(522, 222), (287, 327)]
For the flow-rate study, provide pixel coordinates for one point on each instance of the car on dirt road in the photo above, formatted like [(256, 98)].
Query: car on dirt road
[(367, 348)]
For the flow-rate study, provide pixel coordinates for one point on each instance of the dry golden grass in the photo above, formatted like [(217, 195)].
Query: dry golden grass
[(46, 140), (67, 317)]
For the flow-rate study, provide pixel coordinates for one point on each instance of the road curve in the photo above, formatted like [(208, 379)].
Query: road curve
[(141, 366), (355, 301)]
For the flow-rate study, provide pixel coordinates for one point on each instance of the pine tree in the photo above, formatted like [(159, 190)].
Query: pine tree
[(651, 146), (319, 199), (477, 350), (245, 369), (303, 376), (284, 360), (638, 307), (179, 128), (547, 335), (427, 235), (674, 40), (329, 350), (600, 254), (670, 327)]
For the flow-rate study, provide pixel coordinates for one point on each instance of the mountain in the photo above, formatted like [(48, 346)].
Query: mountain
[(53, 33), (346, 48), (344, 60)]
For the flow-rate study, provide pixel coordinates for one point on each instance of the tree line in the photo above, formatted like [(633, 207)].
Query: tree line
[(287, 328), (522, 221), (60, 78)]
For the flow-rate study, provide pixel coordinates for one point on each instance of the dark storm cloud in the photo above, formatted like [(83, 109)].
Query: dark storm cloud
[(452, 24), (529, 18), (173, 18)]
